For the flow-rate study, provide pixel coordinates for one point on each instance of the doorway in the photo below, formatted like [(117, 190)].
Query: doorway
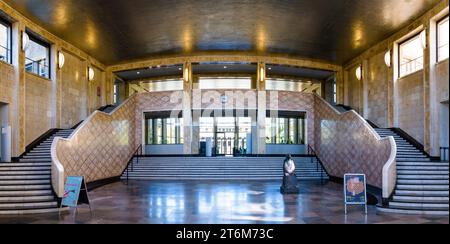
[(5, 133), (444, 132), (230, 136)]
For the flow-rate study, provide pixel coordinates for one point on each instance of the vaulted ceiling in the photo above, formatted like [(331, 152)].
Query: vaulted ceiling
[(121, 30)]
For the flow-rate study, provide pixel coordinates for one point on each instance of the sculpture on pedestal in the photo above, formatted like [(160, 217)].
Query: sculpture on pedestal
[(290, 184)]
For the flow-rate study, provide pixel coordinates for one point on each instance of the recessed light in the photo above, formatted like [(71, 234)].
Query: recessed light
[(225, 67), (180, 68), (270, 68), (138, 73)]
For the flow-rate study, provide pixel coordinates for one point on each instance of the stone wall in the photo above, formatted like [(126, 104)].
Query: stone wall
[(376, 109), (73, 88), (410, 105), (38, 107)]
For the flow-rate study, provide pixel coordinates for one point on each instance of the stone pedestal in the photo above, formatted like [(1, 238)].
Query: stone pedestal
[(290, 185)]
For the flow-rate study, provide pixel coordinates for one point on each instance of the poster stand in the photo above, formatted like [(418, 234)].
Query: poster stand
[(355, 190), (75, 194)]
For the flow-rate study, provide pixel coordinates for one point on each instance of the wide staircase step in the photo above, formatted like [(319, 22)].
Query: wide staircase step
[(202, 168), (25, 187), (422, 185)]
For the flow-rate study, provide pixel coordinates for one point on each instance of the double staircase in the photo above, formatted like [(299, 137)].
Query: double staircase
[(220, 168), (25, 186), (422, 185)]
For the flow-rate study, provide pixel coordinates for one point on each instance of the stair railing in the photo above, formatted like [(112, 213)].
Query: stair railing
[(319, 163), (137, 153)]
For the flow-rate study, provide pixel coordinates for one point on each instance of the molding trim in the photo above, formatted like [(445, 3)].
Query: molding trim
[(227, 57)]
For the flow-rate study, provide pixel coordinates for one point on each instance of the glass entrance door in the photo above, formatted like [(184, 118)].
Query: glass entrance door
[(230, 136), (225, 136)]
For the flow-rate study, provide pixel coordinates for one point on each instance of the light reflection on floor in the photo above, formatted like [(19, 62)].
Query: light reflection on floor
[(191, 202)]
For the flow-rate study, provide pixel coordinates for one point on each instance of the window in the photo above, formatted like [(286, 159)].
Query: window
[(115, 93), (411, 56), (334, 91), (37, 58), (285, 131), (206, 83), (442, 31), (164, 131), (274, 84), (5, 41)]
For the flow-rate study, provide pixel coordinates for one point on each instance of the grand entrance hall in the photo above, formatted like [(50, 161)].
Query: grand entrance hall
[(224, 112)]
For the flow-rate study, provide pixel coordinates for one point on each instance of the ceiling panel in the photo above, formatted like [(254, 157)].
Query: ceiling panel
[(121, 30)]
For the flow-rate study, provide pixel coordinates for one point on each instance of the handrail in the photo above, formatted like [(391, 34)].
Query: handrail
[(312, 152), (130, 162)]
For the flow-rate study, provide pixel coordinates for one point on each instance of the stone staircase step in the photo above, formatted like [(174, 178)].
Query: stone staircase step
[(422, 193), (423, 187), (423, 177), (25, 187), (410, 199), (412, 212), (23, 182), (26, 193), (421, 172), (423, 182), (25, 199), (419, 206), (24, 206)]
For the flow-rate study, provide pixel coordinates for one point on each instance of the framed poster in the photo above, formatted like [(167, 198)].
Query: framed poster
[(75, 193), (355, 190), (72, 191)]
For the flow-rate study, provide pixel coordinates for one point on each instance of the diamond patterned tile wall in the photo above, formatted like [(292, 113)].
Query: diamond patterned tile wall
[(102, 147), (347, 144)]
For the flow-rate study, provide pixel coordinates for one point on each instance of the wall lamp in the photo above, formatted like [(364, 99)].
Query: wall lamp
[(25, 40), (91, 74), (61, 60), (387, 58), (359, 72)]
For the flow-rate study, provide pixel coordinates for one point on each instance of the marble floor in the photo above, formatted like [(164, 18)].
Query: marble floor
[(159, 202)]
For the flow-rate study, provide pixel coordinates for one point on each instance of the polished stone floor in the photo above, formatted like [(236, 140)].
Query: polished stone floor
[(159, 202)]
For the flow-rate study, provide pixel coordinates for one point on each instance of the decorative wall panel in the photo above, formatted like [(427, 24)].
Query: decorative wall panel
[(101, 147), (346, 143)]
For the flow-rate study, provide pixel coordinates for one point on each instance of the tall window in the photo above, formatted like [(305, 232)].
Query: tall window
[(334, 91), (442, 31), (411, 56), (115, 94), (285, 131), (166, 131), (5, 41), (206, 83), (37, 58)]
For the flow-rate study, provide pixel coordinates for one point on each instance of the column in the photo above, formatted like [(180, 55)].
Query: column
[(262, 108), (187, 109)]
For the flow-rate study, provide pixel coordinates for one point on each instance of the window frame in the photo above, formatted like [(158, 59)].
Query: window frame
[(8, 47), (438, 23), (48, 46), (416, 35)]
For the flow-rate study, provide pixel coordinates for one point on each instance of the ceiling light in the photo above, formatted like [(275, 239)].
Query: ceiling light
[(138, 73), (61, 60), (387, 58), (359, 73)]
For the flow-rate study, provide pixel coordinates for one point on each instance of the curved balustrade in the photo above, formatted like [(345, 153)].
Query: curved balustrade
[(346, 143)]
